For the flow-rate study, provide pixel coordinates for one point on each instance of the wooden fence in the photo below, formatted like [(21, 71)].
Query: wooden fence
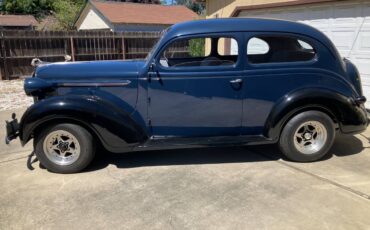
[(18, 48)]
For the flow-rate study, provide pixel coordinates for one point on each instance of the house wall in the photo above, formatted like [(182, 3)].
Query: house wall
[(224, 8), (91, 20)]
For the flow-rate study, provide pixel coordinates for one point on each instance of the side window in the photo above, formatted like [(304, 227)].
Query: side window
[(257, 46), (200, 52), (187, 48), (274, 49), (305, 45)]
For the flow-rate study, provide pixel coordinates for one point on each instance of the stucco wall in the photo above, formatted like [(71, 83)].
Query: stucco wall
[(224, 8)]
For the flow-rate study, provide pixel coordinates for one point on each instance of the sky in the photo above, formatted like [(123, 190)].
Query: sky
[(169, 2)]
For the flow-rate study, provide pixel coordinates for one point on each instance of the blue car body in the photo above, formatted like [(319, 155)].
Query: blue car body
[(135, 105)]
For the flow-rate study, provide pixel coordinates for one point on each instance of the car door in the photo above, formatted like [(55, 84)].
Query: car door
[(194, 87)]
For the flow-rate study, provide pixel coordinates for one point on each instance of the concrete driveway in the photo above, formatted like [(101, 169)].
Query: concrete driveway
[(217, 188)]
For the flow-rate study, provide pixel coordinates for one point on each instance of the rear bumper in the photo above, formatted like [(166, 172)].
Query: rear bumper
[(12, 129)]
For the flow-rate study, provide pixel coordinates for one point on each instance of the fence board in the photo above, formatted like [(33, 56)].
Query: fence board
[(18, 48)]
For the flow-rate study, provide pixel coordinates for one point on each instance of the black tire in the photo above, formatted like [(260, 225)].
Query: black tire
[(287, 138), (85, 142)]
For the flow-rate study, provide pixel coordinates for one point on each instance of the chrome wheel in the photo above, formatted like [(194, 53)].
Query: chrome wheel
[(310, 137), (61, 147)]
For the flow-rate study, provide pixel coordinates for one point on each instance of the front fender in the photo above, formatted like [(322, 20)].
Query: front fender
[(110, 123), (350, 116)]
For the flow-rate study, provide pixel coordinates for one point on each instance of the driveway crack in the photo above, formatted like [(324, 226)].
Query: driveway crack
[(14, 159), (343, 187)]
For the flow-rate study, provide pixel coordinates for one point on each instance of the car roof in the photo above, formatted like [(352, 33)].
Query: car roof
[(220, 25), (224, 25)]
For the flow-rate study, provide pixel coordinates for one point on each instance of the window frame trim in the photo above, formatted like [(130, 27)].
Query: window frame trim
[(301, 37), (234, 35)]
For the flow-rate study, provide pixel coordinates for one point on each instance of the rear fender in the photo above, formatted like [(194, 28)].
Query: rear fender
[(342, 109), (114, 127)]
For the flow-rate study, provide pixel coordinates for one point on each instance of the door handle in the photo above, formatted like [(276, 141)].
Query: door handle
[(236, 84), (235, 81)]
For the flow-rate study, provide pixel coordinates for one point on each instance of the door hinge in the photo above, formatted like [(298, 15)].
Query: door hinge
[(149, 100)]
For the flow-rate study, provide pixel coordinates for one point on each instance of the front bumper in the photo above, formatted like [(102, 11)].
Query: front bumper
[(12, 129)]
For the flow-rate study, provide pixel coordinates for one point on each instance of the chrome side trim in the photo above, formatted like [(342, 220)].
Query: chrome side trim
[(89, 84)]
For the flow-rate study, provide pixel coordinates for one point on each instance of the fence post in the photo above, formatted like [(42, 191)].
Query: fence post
[(123, 48), (4, 69), (2, 72), (72, 49)]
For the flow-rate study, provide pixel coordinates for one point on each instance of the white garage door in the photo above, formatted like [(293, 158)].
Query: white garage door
[(346, 23)]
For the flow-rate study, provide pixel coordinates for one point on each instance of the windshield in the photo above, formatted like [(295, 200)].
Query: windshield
[(156, 45)]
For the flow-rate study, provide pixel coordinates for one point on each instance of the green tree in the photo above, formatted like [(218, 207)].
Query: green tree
[(38, 8), (66, 11), (193, 5), (197, 47)]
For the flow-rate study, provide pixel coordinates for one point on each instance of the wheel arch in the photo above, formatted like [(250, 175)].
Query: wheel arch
[(340, 108), (64, 119), (114, 128), (309, 107)]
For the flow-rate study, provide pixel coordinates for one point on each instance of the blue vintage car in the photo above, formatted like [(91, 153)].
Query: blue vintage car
[(205, 83)]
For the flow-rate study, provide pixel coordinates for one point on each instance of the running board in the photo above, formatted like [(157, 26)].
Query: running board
[(165, 142)]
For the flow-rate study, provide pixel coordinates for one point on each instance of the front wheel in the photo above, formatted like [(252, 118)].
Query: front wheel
[(64, 148), (307, 137)]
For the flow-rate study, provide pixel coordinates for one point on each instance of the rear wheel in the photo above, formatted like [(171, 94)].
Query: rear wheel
[(64, 148), (307, 137)]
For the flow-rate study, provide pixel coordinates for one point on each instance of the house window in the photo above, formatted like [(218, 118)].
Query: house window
[(275, 49), (201, 52)]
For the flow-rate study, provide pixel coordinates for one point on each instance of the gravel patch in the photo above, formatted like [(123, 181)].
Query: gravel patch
[(12, 95)]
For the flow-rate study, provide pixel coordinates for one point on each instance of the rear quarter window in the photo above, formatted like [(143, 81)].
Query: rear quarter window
[(279, 49)]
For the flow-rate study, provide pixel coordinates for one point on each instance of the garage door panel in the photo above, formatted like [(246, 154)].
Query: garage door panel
[(343, 40), (363, 44), (366, 81), (366, 23), (363, 65), (321, 24)]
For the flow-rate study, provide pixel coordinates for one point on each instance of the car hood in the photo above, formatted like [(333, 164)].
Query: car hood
[(89, 70)]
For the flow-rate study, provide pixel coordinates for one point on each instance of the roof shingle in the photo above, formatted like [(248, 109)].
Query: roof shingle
[(17, 20), (137, 13)]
